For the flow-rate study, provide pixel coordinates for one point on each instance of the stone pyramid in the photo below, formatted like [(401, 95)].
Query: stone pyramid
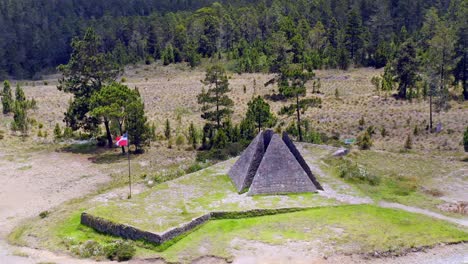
[(272, 165), (301, 160), (244, 169)]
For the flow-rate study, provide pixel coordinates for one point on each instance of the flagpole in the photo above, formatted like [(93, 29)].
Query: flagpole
[(129, 175)]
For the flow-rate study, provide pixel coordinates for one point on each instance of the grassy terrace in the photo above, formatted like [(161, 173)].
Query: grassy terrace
[(329, 230), (176, 202), (351, 229)]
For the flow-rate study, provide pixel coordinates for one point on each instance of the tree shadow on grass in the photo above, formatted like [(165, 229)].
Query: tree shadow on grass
[(109, 158), (81, 148), (100, 155)]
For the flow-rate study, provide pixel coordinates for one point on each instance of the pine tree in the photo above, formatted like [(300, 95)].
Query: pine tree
[(364, 141), (441, 61), (20, 118), (86, 72), (168, 55), (291, 84), (192, 135), (19, 94), (408, 142), (110, 104), (167, 130), (136, 125), (259, 112), (7, 98), (353, 36), (57, 132), (216, 104), (406, 69)]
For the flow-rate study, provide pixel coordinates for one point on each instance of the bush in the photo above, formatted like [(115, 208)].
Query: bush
[(167, 175), (88, 249), (383, 132), (196, 167), (364, 141), (362, 122), (408, 142), (57, 132), (67, 133), (220, 140), (2, 134), (44, 214), (119, 250), (230, 150), (180, 140), (356, 173)]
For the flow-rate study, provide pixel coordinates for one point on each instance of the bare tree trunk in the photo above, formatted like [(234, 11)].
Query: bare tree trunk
[(298, 117), (430, 111), (108, 133)]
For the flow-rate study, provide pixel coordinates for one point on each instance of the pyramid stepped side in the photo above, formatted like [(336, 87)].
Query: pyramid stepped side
[(279, 172), (243, 171), (287, 140)]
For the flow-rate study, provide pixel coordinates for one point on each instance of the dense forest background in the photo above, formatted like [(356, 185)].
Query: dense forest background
[(258, 36)]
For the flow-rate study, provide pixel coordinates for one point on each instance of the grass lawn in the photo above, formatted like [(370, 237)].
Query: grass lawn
[(341, 229), (406, 178), (176, 202)]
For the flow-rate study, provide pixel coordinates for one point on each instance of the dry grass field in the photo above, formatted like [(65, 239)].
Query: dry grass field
[(53, 172), (170, 92)]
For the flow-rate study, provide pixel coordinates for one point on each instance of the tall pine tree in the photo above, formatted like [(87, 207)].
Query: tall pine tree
[(216, 104), (88, 69), (7, 98)]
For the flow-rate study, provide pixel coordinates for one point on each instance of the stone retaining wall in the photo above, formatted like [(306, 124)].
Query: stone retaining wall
[(129, 232)]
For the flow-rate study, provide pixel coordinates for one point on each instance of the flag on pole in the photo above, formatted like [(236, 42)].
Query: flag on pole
[(122, 141)]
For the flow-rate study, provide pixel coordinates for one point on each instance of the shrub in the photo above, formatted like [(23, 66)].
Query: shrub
[(167, 129), (371, 130), (408, 142), (57, 132), (167, 175), (67, 133), (230, 150), (180, 140), (364, 141), (356, 173), (220, 140), (88, 249), (119, 250), (362, 122), (2, 134), (383, 132), (416, 130), (44, 214), (465, 139)]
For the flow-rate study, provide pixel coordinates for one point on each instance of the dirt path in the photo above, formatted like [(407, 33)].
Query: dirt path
[(463, 222), (37, 181)]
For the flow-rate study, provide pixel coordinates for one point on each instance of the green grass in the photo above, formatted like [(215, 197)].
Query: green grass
[(180, 200), (402, 176), (350, 229), (363, 228)]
